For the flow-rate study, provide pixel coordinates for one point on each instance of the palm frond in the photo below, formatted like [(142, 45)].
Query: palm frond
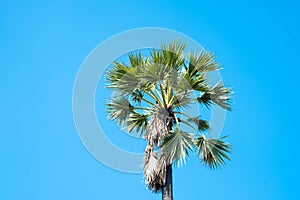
[(176, 145), (185, 87), (154, 73), (205, 99), (123, 78), (137, 122), (119, 109), (182, 99), (137, 96), (213, 151), (137, 59), (197, 83), (202, 125), (173, 54), (202, 62), (182, 92), (183, 84), (169, 55), (217, 94), (187, 123)]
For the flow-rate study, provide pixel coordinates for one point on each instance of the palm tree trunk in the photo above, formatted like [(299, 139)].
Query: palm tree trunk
[(167, 189)]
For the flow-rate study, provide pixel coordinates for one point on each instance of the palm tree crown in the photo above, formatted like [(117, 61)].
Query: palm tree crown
[(151, 91)]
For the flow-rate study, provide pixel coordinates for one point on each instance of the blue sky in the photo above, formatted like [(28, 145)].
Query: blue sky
[(43, 44)]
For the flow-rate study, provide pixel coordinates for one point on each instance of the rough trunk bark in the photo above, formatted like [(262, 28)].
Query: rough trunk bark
[(167, 189)]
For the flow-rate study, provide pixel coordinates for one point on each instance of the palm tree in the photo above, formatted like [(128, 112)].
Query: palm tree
[(150, 92)]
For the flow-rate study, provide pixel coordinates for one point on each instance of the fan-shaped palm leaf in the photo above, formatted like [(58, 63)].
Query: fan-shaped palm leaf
[(202, 125), (119, 109), (217, 94), (154, 73), (123, 78), (170, 55), (212, 151), (137, 60), (137, 96), (137, 122), (201, 63), (176, 145)]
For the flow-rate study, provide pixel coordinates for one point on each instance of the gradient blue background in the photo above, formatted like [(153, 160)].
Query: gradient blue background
[(43, 45)]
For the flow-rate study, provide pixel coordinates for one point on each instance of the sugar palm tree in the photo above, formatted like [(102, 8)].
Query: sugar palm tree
[(150, 92)]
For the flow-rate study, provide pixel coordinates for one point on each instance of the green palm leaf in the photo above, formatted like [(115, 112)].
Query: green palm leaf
[(119, 109), (213, 151), (137, 96), (202, 62), (197, 83), (202, 125), (170, 55), (176, 145), (137, 59), (217, 94), (123, 78), (182, 99), (137, 122)]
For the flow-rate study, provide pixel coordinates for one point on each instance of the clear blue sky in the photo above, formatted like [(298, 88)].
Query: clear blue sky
[(43, 45)]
